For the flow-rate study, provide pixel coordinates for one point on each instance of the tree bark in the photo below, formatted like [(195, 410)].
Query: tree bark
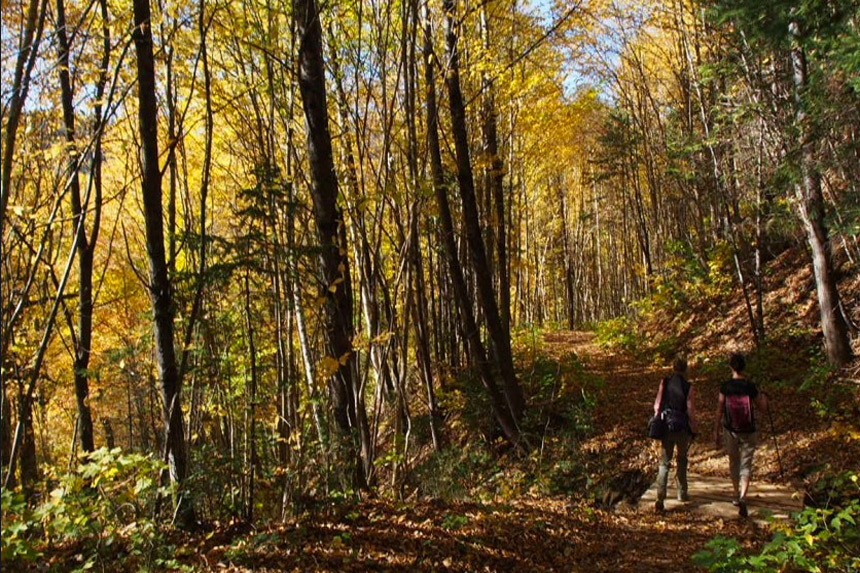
[(24, 64), (483, 278), (83, 341), (160, 288), (834, 327), (501, 410), (251, 408), (494, 171), (333, 260)]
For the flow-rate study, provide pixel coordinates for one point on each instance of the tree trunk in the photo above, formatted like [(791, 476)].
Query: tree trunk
[(205, 172), (32, 36), (28, 463), (494, 173), (569, 273), (834, 327), (251, 408), (85, 249), (483, 278), (501, 410), (333, 260), (160, 289), (5, 428)]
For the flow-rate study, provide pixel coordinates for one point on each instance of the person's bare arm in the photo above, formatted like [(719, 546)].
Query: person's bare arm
[(659, 398), (718, 419)]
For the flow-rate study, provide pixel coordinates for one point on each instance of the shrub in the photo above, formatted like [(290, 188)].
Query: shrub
[(617, 333), (105, 509), (819, 539)]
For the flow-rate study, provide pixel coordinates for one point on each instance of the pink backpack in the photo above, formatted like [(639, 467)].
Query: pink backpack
[(739, 414)]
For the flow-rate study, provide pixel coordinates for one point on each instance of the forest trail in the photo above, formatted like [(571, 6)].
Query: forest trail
[(712, 495), (627, 399), (528, 530)]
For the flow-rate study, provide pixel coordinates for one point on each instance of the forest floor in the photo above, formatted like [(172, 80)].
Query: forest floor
[(558, 533)]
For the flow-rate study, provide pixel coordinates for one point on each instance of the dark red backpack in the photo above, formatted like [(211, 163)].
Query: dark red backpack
[(739, 416)]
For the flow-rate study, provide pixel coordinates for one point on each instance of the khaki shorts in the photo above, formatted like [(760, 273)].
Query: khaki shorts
[(740, 448)]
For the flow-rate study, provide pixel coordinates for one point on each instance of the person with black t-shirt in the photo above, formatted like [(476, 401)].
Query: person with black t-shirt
[(674, 402), (739, 401)]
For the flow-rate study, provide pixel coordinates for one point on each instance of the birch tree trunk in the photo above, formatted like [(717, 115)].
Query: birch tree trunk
[(834, 327)]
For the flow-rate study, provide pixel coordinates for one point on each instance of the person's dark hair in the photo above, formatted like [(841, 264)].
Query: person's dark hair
[(680, 365), (737, 362)]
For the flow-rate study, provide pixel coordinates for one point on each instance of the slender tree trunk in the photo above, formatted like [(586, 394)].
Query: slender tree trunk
[(501, 410), (205, 172), (5, 429), (834, 327), (334, 263), (160, 288), (26, 60), (569, 278), (29, 465), (85, 248), (417, 289), (494, 179), (251, 409), (483, 278)]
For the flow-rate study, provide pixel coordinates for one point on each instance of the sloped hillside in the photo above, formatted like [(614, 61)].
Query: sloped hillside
[(815, 423)]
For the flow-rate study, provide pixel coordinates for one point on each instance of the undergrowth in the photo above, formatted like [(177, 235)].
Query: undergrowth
[(103, 511), (560, 416), (817, 539)]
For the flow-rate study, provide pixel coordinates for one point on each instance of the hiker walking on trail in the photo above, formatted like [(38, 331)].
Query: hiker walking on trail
[(674, 403), (738, 403)]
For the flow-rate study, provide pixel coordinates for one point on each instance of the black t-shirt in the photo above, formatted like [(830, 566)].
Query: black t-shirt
[(740, 386)]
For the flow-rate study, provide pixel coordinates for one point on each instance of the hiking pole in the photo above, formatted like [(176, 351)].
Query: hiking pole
[(775, 441)]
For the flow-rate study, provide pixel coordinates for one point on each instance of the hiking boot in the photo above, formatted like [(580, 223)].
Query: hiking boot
[(658, 506), (742, 508), (683, 496)]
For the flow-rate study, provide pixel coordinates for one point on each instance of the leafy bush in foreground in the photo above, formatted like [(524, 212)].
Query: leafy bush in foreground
[(105, 508), (819, 539)]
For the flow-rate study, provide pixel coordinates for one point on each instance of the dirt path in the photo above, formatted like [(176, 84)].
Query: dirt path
[(626, 401), (711, 495)]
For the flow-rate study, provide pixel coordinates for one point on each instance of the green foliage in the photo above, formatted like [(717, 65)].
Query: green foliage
[(617, 332), (819, 539), (559, 467), (105, 508), (457, 473), (453, 521), (243, 547), (18, 528), (563, 393), (689, 281)]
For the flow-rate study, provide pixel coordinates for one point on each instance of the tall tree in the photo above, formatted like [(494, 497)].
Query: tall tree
[(160, 288), (501, 409), (81, 208), (498, 334), (25, 62), (493, 175), (333, 261), (834, 327)]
